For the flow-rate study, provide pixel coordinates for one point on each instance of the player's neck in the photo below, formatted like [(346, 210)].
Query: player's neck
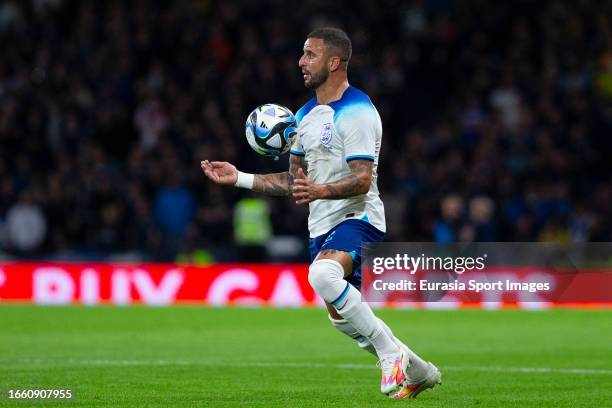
[(331, 90)]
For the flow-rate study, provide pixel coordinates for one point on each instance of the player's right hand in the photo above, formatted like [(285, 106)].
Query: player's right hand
[(220, 172)]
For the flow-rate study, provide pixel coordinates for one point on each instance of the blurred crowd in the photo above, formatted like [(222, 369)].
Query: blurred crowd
[(497, 118)]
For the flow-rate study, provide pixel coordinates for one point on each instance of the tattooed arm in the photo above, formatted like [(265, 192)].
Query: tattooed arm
[(278, 184), (357, 183)]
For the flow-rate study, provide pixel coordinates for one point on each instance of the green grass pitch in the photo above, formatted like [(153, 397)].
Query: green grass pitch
[(195, 357)]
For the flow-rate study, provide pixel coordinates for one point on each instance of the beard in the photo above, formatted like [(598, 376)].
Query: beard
[(316, 80)]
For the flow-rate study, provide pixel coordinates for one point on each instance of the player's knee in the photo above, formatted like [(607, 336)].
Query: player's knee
[(324, 273)]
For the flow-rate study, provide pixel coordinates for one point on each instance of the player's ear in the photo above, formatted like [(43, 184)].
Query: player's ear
[(333, 64)]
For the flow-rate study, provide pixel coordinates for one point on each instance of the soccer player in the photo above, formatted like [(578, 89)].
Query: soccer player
[(332, 168)]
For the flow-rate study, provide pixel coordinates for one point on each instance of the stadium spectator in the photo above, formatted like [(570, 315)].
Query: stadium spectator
[(25, 225)]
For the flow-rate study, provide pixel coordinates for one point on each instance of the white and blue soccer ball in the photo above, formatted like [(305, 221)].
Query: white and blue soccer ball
[(271, 129)]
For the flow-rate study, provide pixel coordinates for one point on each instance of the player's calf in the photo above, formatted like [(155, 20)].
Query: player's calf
[(345, 327)]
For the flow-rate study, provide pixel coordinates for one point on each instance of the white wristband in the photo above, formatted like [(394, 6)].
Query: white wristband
[(245, 180)]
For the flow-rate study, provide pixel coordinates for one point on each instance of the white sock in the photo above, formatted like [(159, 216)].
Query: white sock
[(417, 369), (361, 317), (345, 327), (326, 278)]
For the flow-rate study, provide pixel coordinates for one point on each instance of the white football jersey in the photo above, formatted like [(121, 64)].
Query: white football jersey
[(330, 136)]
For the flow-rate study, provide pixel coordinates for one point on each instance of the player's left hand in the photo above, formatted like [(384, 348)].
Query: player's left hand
[(304, 190)]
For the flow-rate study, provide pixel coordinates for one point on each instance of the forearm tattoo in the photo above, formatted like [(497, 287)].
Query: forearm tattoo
[(279, 184), (358, 182), (276, 184), (295, 163)]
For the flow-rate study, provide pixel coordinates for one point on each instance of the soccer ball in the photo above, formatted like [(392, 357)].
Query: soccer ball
[(271, 129)]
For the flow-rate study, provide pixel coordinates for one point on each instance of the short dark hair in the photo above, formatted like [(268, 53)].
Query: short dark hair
[(335, 38)]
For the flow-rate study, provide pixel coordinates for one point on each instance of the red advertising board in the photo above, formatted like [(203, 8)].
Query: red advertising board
[(165, 284), (155, 284)]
